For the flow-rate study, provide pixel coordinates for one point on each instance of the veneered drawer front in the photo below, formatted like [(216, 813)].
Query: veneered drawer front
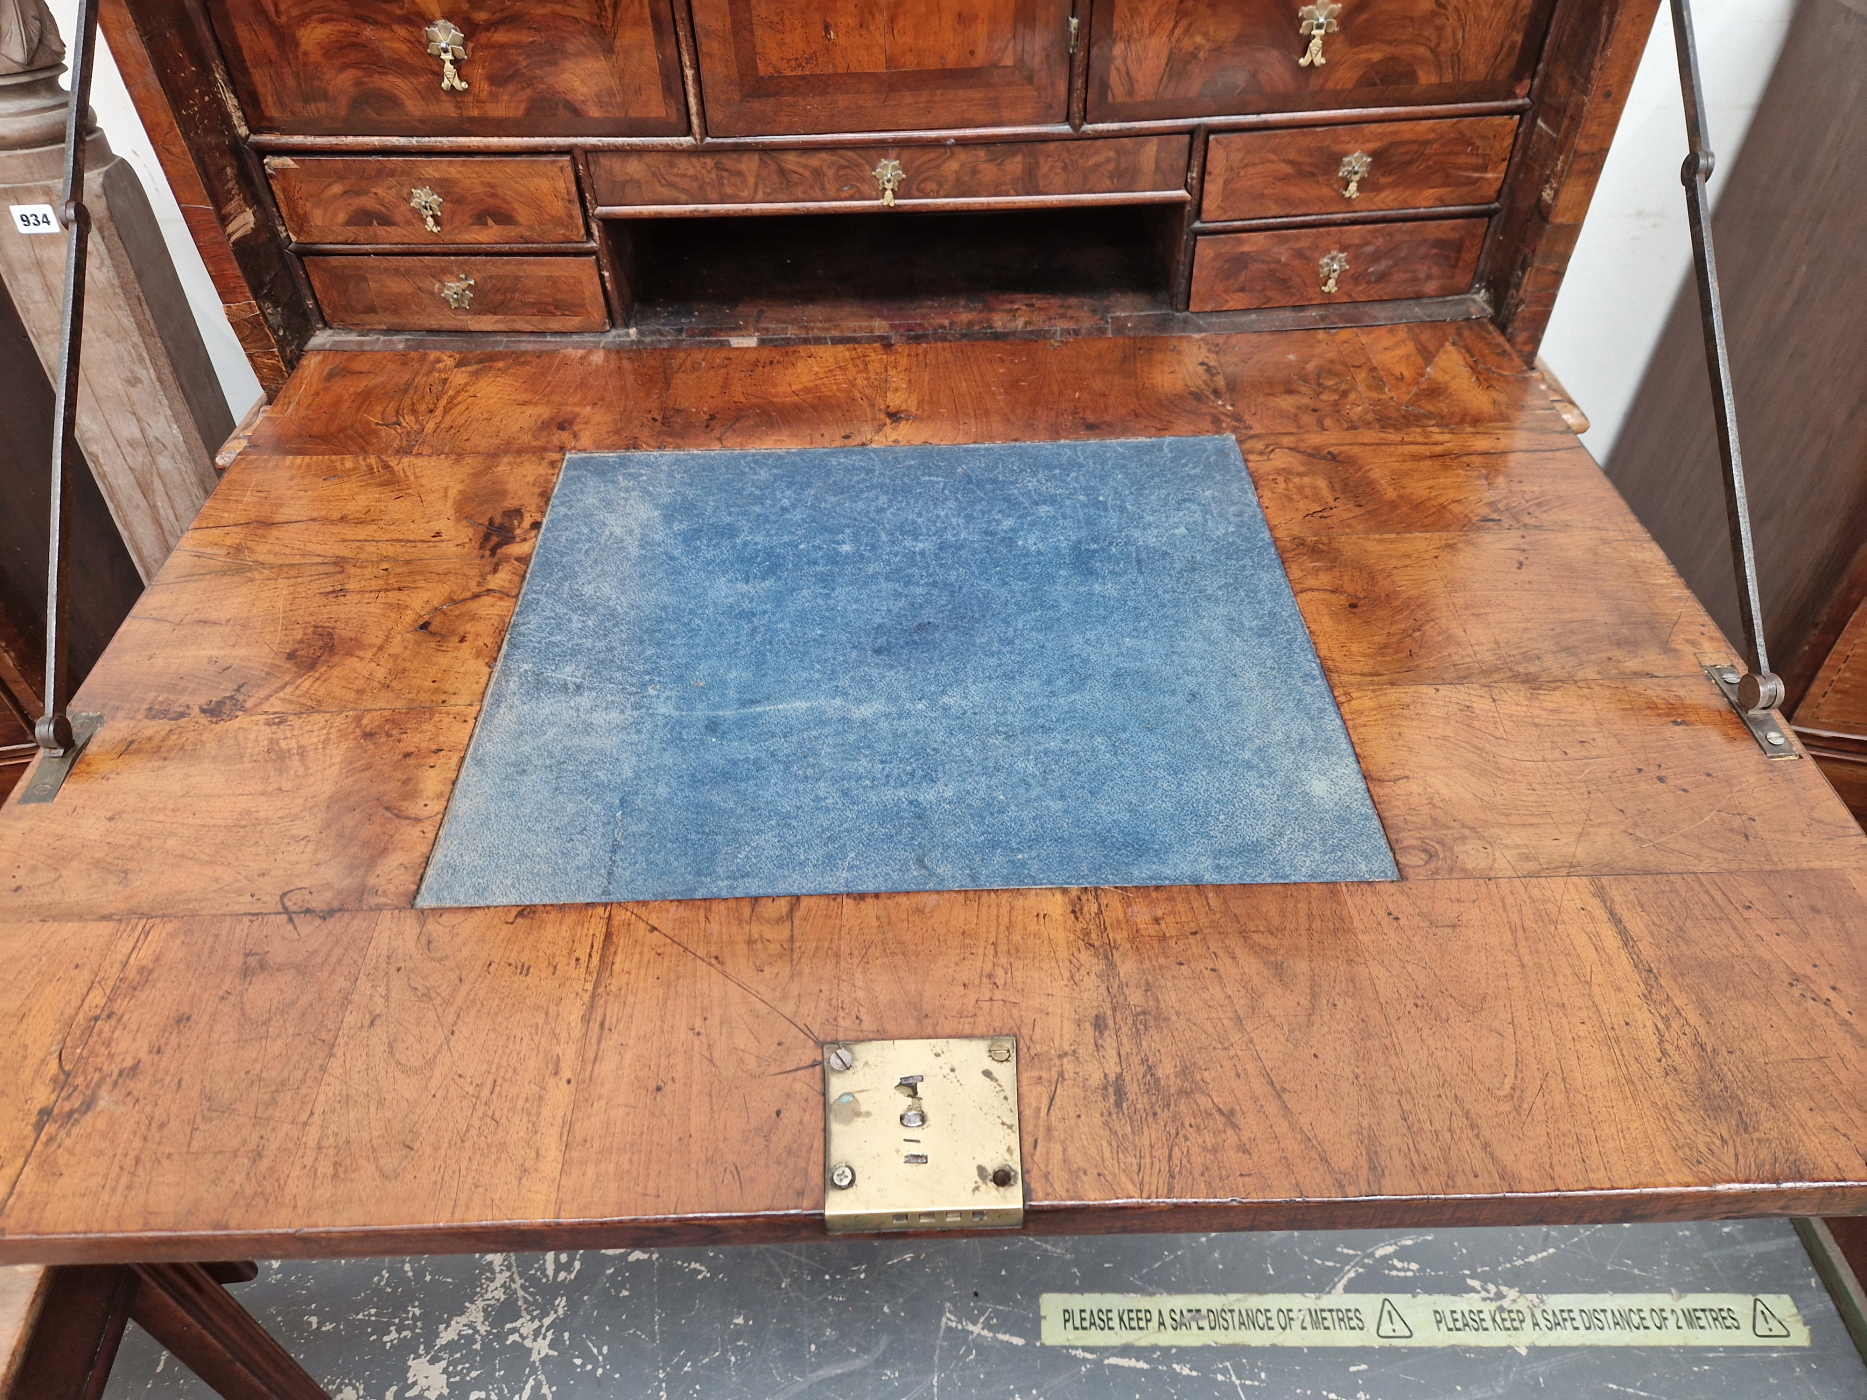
[(1381, 262), (459, 294), (1403, 165), (526, 67), (381, 199), (1154, 59), (1127, 168)]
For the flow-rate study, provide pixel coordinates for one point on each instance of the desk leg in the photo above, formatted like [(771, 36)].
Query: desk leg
[(74, 1340), (185, 1307)]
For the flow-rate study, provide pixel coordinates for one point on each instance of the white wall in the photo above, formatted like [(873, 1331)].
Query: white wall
[(1635, 252), (115, 113)]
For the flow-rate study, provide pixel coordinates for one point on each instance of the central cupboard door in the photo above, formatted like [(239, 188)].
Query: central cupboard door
[(1154, 59), (789, 67)]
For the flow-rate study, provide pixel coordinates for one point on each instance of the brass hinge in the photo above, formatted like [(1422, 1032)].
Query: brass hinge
[(1766, 726), (53, 768)]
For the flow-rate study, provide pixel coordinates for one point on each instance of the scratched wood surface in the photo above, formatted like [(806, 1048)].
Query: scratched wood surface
[(1620, 978)]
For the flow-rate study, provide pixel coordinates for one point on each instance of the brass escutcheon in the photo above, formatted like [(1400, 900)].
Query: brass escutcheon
[(426, 203), (1316, 20), (888, 177), (458, 295), (1354, 169), (447, 43), (1330, 268)]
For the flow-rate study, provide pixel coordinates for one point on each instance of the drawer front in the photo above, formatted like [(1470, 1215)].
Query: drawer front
[(1128, 168), (1342, 169), (418, 199), (1378, 262), (459, 294), (373, 68), (1152, 59)]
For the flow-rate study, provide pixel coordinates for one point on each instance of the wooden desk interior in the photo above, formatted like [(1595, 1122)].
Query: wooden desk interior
[(1621, 977)]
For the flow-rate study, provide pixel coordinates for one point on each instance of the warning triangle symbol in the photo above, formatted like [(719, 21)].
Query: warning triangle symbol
[(1393, 1326), (1765, 1323)]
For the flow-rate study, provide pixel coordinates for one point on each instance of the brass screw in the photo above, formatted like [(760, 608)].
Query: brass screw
[(842, 1176), (1000, 1051), (841, 1058), (1002, 1177)]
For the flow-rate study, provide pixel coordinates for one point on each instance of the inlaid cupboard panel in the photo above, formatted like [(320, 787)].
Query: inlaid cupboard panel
[(781, 67), (517, 67), (1161, 59)]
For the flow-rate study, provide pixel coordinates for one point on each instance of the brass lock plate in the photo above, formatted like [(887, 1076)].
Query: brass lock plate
[(921, 1135)]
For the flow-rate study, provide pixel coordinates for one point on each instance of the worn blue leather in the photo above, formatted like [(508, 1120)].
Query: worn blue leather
[(904, 668)]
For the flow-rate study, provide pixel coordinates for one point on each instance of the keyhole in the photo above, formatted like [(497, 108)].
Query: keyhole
[(915, 1114)]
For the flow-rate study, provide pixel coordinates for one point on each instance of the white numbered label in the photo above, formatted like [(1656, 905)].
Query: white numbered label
[(35, 218)]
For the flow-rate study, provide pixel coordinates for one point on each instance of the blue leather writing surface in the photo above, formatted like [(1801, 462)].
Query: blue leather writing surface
[(904, 668)]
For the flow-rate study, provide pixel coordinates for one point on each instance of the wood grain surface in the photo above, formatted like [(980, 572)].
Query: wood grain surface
[(1429, 258), (144, 73), (1837, 697), (650, 179), (1619, 930), (1411, 165), (487, 199), (22, 1291), (179, 68), (187, 1310), (1593, 53), (786, 67), (1155, 59), (541, 67), (1831, 721), (506, 294)]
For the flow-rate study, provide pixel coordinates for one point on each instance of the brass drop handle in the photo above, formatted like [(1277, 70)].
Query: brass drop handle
[(1316, 20), (426, 203), (888, 177), (447, 43), (1354, 169), (459, 294), (1331, 268)]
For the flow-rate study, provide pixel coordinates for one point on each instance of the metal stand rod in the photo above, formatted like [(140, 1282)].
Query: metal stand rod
[(53, 731), (1760, 690)]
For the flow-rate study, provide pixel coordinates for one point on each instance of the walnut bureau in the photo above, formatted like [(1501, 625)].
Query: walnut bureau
[(483, 166)]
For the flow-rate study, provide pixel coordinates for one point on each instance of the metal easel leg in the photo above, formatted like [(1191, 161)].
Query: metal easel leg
[(1754, 693), (61, 737)]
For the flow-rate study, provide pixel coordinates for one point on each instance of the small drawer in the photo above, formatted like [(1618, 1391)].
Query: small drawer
[(417, 199), (560, 68), (1126, 170), (459, 294), (1168, 60), (1371, 262), (1344, 169)]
